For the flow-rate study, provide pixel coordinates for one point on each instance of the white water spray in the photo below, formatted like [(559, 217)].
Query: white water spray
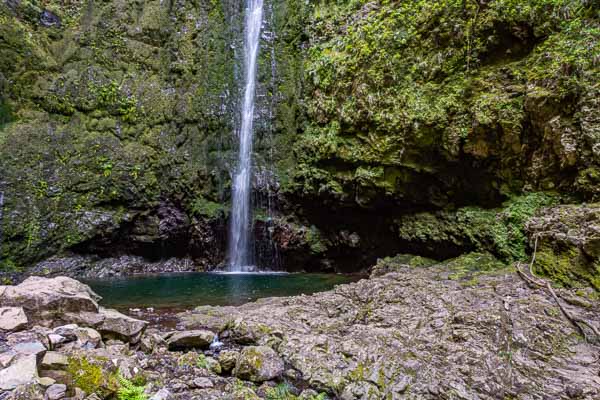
[(240, 258)]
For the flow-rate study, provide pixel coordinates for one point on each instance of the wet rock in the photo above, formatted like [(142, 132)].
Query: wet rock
[(200, 339), (56, 392), (119, 326), (12, 318), (22, 371), (228, 359), (258, 364), (49, 19), (86, 266)]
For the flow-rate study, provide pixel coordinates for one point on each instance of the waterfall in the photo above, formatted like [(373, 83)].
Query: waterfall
[(240, 257)]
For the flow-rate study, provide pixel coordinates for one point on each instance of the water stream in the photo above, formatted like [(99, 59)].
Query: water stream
[(240, 256)]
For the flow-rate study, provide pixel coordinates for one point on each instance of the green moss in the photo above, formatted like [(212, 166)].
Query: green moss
[(5, 113), (566, 266), (420, 87), (469, 266), (315, 242), (206, 208), (283, 392), (91, 377), (498, 231)]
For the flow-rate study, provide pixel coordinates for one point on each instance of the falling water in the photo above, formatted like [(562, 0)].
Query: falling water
[(240, 258)]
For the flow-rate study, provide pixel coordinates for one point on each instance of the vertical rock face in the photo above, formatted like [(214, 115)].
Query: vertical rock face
[(117, 119)]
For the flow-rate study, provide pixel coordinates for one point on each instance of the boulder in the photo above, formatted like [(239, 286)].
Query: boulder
[(258, 364), (12, 318), (35, 334), (213, 365), (150, 341), (119, 326), (46, 299), (57, 376), (162, 394), (46, 382), (227, 359), (190, 339), (202, 383), (84, 338), (36, 349), (56, 392), (54, 360), (56, 340), (22, 371)]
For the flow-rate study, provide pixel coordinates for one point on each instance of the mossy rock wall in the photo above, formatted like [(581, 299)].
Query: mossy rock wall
[(113, 111), (117, 123)]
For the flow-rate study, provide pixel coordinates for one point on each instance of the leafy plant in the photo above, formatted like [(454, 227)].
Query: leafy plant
[(130, 391), (202, 362), (282, 392)]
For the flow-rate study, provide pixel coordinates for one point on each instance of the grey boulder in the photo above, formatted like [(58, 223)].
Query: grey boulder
[(258, 364), (12, 318), (119, 326), (22, 371), (56, 392), (190, 339)]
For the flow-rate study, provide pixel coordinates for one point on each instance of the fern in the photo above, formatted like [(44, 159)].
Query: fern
[(282, 392), (129, 391)]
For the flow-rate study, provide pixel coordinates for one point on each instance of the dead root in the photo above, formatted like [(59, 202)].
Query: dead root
[(533, 281)]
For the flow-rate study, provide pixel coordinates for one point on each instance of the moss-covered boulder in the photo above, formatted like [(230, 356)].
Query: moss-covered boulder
[(567, 240), (258, 364)]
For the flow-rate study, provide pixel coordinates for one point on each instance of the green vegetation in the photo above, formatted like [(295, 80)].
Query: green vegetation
[(566, 266), (209, 209), (401, 92), (90, 376), (282, 392), (499, 231), (129, 391), (5, 113)]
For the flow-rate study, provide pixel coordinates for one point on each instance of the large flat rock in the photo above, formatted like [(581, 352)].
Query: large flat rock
[(45, 299), (423, 333), (21, 371)]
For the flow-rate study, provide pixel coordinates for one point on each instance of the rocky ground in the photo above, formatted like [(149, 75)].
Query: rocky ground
[(437, 332)]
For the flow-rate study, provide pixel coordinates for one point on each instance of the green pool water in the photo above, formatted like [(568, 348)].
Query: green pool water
[(194, 289)]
